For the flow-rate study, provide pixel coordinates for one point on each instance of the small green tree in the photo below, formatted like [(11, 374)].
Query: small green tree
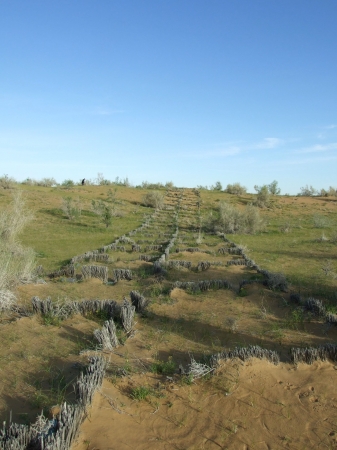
[(105, 211), (71, 208), (273, 188), (263, 196), (112, 195), (217, 186), (308, 191)]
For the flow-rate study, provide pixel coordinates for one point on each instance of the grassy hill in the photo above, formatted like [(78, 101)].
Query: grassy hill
[(42, 354)]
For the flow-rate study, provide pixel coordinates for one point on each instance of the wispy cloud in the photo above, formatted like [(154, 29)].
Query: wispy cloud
[(268, 143), (318, 148), (330, 127), (234, 149)]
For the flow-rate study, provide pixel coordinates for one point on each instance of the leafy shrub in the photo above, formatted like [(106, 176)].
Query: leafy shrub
[(235, 189), (154, 199)]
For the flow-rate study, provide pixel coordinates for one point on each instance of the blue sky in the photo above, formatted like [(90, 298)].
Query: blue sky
[(192, 92)]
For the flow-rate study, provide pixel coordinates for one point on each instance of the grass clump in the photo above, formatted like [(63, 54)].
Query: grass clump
[(164, 367), (140, 393)]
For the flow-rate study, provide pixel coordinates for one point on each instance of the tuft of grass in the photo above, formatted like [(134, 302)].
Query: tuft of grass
[(140, 393), (164, 367), (50, 319)]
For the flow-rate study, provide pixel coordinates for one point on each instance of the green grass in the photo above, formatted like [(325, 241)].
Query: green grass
[(141, 393), (164, 367)]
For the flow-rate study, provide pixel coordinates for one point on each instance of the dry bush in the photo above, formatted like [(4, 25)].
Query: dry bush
[(320, 221), (232, 220), (16, 262), (235, 189), (308, 191), (263, 196), (7, 182), (154, 199), (331, 192)]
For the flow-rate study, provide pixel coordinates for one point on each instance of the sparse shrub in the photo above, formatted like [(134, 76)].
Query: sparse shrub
[(235, 189), (232, 220), (286, 227), (71, 208), (7, 182), (333, 238), (112, 195), (232, 324), (101, 181), (275, 281), (263, 196), (154, 199), (105, 211), (47, 182), (327, 268), (217, 186), (331, 192), (320, 221), (29, 182), (322, 238), (16, 262), (68, 184), (273, 188), (252, 220), (308, 191)]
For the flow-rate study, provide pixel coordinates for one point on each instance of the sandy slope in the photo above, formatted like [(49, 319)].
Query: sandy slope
[(253, 405)]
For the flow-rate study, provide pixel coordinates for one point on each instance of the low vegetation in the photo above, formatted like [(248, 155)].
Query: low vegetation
[(233, 220), (191, 305), (17, 262)]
